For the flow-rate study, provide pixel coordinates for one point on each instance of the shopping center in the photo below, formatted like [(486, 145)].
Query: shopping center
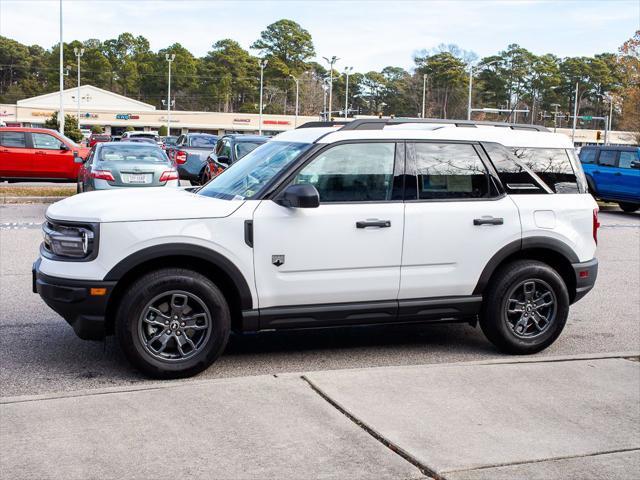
[(115, 113)]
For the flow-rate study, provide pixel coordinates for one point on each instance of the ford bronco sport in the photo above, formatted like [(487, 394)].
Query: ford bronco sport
[(369, 222)]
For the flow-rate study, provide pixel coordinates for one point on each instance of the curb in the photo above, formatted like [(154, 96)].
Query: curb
[(12, 200)]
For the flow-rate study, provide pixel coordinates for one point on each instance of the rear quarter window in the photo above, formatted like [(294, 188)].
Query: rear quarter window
[(13, 139), (588, 155), (552, 165)]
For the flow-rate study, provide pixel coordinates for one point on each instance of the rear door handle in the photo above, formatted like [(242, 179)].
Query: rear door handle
[(488, 221), (373, 223), (618, 174)]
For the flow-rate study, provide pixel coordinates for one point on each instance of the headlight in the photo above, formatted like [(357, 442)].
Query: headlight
[(69, 241)]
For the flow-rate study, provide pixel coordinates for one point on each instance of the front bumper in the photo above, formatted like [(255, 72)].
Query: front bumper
[(586, 274), (80, 302)]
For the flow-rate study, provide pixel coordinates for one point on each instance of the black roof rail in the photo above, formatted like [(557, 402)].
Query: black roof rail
[(380, 123), (336, 123)]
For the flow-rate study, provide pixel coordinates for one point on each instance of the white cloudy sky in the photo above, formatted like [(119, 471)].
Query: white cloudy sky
[(365, 34)]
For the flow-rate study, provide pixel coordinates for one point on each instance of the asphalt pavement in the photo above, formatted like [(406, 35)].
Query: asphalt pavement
[(41, 354)]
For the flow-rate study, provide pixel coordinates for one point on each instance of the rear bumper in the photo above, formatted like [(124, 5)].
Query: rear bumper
[(586, 274), (75, 302)]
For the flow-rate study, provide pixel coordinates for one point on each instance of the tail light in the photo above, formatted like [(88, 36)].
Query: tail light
[(169, 175), (103, 175), (596, 225), (181, 157)]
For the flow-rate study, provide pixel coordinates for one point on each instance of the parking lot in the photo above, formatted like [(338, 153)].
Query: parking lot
[(41, 354)]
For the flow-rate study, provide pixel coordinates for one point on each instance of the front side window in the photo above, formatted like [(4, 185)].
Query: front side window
[(203, 141), (608, 158), (13, 139), (449, 171), (588, 155), (242, 148), (354, 172), (245, 179), (552, 165), (626, 158), (45, 141)]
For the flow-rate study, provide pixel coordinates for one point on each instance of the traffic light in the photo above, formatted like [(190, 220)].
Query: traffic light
[(598, 135)]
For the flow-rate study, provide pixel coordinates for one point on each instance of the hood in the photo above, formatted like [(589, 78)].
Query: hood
[(140, 204)]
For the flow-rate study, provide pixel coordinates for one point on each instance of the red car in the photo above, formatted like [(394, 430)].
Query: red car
[(98, 138), (28, 154)]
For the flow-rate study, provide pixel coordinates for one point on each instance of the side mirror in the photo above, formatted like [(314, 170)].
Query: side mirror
[(77, 158), (635, 164), (299, 196), (64, 147), (223, 159)]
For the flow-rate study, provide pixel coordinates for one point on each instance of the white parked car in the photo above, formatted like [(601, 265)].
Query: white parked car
[(371, 222)]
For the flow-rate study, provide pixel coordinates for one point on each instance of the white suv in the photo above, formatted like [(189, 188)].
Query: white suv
[(374, 221)]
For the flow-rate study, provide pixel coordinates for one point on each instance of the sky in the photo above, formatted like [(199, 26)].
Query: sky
[(367, 35)]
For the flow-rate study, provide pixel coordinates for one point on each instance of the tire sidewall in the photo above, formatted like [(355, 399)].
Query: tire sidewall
[(495, 313), (155, 284)]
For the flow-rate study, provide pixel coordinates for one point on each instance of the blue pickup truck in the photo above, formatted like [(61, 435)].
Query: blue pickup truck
[(613, 174)]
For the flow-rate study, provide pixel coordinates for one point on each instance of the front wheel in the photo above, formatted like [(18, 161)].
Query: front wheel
[(629, 207), (173, 323), (526, 307)]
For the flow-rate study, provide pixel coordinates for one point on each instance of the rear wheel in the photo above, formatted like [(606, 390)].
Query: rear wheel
[(629, 207), (526, 307), (173, 323)]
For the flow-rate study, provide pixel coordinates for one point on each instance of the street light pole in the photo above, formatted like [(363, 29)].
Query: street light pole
[(331, 62), (575, 115), (347, 71), (263, 64), (555, 116), (61, 111), (169, 58), (471, 84), (297, 80), (424, 93), (79, 52)]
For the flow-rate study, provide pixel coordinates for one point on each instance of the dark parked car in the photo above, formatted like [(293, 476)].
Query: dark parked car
[(613, 174), (98, 138), (168, 141), (230, 149), (190, 155), (126, 164)]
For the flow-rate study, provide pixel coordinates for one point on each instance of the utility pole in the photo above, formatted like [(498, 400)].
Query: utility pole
[(575, 115), (263, 64), (61, 111), (79, 52), (295, 124), (347, 71), (331, 62), (424, 93), (169, 58), (555, 116), (471, 85)]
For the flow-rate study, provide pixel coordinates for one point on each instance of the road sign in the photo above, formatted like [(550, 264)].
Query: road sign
[(586, 117)]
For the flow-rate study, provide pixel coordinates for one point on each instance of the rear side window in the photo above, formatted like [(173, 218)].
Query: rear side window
[(608, 158), (626, 158), (552, 165), (588, 155), (514, 175), (449, 171), (13, 139)]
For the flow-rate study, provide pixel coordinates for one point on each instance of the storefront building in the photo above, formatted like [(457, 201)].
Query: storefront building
[(115, 113)]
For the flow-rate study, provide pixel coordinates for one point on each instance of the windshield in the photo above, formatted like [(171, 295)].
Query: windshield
[(203, 141), (245, 179), (132, 153), (143, 135), (242, 148)]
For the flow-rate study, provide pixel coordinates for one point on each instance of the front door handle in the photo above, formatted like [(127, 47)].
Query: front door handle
[(618, 174), (373, 223), (488, 221)]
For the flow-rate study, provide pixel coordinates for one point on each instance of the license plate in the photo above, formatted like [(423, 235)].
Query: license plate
[(136, 178)]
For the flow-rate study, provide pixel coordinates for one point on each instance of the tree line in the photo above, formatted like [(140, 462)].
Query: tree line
[(227, 78)]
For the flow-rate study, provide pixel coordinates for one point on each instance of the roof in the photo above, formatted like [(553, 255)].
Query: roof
[(93, 98), (485, 133)]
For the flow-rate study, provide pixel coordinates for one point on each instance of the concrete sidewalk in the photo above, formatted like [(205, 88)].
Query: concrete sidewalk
[(522, 418)]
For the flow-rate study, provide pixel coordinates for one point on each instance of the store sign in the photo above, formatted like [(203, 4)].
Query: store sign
[(164, 119), (41, 114), (277, 122), (88, 115), (4, 113), (127, 116), (241, 120)]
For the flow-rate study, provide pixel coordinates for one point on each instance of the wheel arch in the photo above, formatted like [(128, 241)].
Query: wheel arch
[(209, 263), (551, 251)]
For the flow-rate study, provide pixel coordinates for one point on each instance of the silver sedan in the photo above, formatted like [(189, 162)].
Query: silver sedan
[(126, 164)]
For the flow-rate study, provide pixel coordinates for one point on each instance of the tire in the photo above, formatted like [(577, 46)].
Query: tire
[(195, 183), (508, 289), (78, 188), (152, 315), (629, 207)]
